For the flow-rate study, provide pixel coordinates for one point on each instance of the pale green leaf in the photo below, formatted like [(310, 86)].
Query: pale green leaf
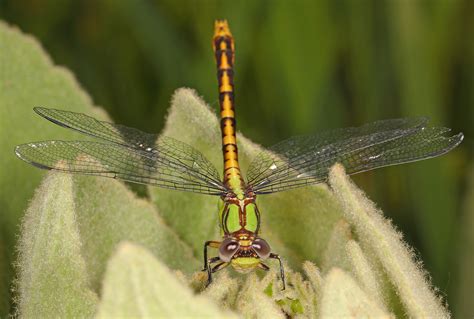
[(365, 273), (193, 216), (335, 254), (110, 213), (223, 290), (386, 244), (252, 302), (314, 276), (136, 285), (263, 296), (343, 298), (305, 300), (52, 279), (28, 78)]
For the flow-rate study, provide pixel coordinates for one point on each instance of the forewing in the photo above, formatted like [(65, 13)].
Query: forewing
[(88, 125), (305, 160), (146, 158), (117, 161)]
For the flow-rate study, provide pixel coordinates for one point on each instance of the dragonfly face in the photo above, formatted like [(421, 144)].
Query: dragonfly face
[(244, 252)]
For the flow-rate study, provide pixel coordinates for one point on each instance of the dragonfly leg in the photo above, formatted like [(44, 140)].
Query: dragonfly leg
[(263, 266), (209, 269), (282, 271), (219, 266), (213, 244)]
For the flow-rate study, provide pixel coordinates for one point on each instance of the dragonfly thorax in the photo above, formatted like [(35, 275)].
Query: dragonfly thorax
[(239, 216)]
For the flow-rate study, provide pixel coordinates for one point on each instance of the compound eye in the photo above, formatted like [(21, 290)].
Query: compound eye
[(261, 248), (228, 248)]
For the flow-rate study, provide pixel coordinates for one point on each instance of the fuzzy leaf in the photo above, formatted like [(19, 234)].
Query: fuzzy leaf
[(223, 290), (53, 280), (343, 298), (305, 298), (138, 285), (314, 276), (254, 303), (27, 79), (365, 274), (107, 213), (193, 216), (385, 243), (110, 213), (288, 227), (335, 254)]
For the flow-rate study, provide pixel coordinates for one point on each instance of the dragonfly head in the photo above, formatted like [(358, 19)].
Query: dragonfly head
[(244, 251)]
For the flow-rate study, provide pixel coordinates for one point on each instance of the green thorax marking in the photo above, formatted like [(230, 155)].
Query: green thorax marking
[(239, 215)]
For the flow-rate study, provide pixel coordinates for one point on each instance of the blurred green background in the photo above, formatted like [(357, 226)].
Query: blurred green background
[(301, 67)]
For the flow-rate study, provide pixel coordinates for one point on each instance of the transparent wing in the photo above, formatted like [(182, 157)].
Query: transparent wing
[(305, 160), (131, 155)]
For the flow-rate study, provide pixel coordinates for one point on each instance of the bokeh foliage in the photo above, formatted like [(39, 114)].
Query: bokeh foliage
[(301, 67)]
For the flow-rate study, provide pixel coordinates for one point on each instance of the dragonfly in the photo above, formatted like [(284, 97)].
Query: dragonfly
[(131, 155)]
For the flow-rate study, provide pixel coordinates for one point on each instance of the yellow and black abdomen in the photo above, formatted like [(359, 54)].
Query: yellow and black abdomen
[(223, 44)]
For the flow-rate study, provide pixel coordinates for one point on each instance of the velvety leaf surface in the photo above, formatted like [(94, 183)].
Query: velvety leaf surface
[(28, 78), (343, 298), (365, 273), (137, 285), (109, 213), (335, 254), (386, 244), (53, 279), (254, 303)]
